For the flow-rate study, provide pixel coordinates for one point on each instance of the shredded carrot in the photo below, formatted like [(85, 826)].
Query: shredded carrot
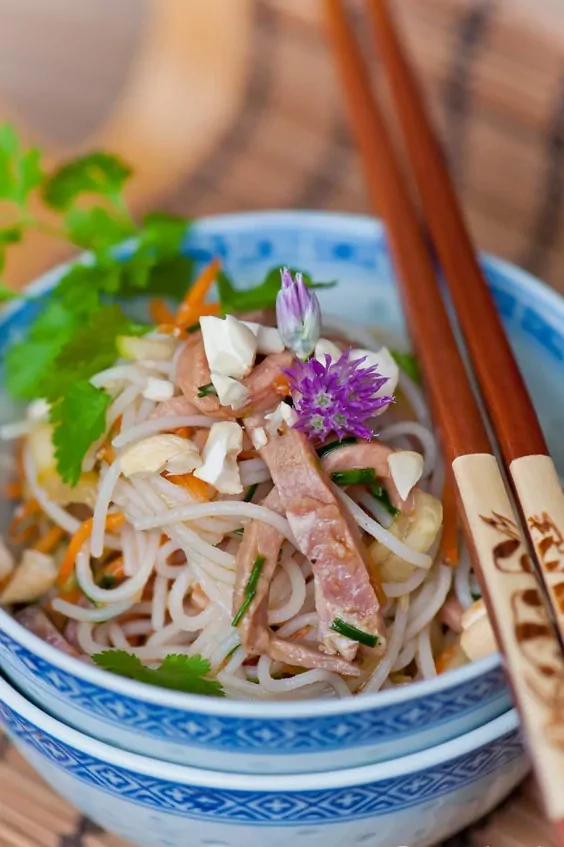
[(13, 490), (199, 489), (192, 307), (73, 595), (443, 659), (281, 385), (159, 311), (47, 542), (183, 431), (81, 535), (449, 539)]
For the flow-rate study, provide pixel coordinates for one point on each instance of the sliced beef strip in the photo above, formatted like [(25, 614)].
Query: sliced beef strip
[(256, 637), (330, 539)]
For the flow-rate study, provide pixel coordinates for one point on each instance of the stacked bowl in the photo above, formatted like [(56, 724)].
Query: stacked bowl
[(411, 765)]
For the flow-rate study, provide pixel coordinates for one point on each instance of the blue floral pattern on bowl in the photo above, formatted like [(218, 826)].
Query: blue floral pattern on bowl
[(277, 737), (415, 800)]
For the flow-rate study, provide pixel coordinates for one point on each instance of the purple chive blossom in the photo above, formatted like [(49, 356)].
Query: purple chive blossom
[(336, 397), (298, 315)]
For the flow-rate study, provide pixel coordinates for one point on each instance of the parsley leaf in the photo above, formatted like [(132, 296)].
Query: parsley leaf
[(408, 364), (262, 296), (97, 173), (177, 672), (79, 419)]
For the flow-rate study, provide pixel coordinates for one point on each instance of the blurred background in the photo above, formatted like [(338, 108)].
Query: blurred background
[(223, 105)]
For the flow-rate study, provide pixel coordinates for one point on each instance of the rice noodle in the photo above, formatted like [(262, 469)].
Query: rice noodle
[(297, 596), (180, 556), (80, 613), (299, 681), (425, 661), (120, 373), (143, 430), (420, 560), (205, 510), (429, 601), (128, 589), (105, 493), (395, 641), (57, 514)]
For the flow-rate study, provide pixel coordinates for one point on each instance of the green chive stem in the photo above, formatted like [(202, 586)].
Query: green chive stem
[(250, 589), (350, 631)]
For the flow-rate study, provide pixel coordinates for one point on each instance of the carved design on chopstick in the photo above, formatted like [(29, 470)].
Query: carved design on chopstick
[(549, 544), (509, 555), (533, 634)]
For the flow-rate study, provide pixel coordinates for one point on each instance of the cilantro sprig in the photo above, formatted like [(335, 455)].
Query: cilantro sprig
[(177, 672), (75, 331)]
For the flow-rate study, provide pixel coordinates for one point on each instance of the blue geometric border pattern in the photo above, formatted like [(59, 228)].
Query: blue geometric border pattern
[(269, 808), (261, 736)]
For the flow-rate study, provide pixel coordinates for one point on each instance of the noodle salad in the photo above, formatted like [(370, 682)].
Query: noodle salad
[(240, 499)]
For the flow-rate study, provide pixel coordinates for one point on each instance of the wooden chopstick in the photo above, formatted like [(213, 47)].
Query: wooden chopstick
[(532, 472), (515, 606)]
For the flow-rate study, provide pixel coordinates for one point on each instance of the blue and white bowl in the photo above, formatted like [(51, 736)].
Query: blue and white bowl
[(314, 735), (418, 800)]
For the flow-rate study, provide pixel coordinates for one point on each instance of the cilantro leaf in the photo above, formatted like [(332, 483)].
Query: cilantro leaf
[(88, 351), (177, 672), (96, 173), (79, 419), (156, 267), (408, 364), (96, 228), (20, 171), (262, 296), (164, 233), (80, 288), (29, 363)]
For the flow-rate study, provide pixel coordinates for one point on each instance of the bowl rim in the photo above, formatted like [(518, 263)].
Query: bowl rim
[(327, 221), (480, 737)]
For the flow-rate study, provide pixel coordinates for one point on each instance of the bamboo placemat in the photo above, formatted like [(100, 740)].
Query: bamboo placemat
[(494, 71)]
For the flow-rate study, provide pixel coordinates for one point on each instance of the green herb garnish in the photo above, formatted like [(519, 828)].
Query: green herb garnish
[(79, 419), (357, 476), (408, 364), (250, 589), (380, 494), (107, 581), (177, 672), (334, 445), (240, 531), (250, 493), (350, 631), (206, 390)]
